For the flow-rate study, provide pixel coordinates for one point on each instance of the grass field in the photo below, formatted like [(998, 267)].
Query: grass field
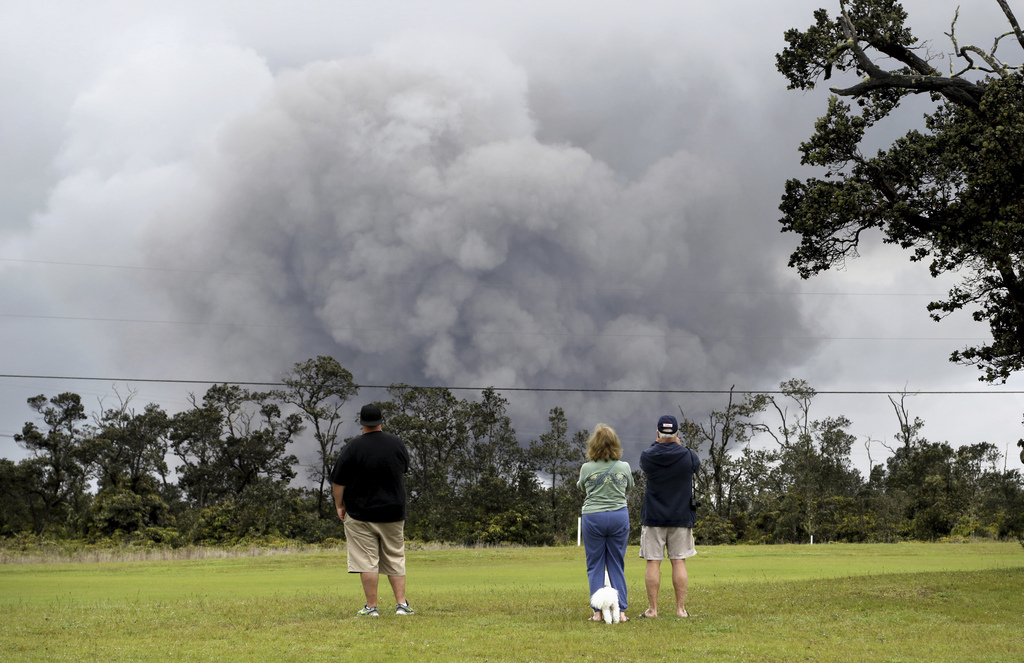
[(900, 602)]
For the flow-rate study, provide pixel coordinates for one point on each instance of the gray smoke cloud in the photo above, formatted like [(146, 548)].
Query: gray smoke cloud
[(399, 212), (523, 195)]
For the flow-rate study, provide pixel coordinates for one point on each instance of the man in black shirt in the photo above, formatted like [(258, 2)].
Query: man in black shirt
[(368, 481)]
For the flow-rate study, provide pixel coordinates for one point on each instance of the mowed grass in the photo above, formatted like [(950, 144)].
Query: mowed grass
[(902, 602)]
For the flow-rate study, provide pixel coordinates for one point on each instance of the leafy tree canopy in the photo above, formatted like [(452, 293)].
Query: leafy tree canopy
[(950, 191), (319, 388)]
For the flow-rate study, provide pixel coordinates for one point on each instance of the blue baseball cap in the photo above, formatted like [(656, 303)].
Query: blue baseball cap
[(667, 424)]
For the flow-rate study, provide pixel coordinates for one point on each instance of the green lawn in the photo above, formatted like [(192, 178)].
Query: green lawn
[(903, 602)]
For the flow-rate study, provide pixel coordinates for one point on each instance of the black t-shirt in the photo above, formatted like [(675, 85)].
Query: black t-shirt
[(372, 468)]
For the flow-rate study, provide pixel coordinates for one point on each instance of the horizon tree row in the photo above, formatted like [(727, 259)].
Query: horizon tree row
[(471, 480)]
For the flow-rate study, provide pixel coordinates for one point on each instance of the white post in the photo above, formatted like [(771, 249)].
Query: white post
[(812, 539), (579, 530)]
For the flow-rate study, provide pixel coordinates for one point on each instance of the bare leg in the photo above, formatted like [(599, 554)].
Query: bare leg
[(652, 580), (370, 588), (398, 587), (680, 580)]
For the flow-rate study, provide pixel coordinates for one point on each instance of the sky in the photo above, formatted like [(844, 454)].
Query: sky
[(525, 195)]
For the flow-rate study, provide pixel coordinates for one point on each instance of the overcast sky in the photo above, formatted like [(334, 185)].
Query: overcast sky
[(517, 194)]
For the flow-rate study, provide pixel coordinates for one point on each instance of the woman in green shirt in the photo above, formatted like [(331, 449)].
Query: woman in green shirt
[(605, 479)]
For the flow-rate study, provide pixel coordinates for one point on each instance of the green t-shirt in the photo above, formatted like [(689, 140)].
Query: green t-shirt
[(610, 493)]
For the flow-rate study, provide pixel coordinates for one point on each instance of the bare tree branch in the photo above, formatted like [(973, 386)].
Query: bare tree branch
[(1005, 6), (966, 91), (927, 79)]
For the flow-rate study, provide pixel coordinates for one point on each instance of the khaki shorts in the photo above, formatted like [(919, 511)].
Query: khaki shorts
[(655, 540), (375, 547)]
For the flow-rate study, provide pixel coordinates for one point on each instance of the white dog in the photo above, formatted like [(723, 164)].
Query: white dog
[(606, 600)]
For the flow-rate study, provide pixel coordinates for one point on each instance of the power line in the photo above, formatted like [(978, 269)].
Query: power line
[(129, 267), (494, 332), (526, 389), (485, 284)]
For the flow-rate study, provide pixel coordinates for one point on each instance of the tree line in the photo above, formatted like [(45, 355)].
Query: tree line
[(221, 472), (804, 484)]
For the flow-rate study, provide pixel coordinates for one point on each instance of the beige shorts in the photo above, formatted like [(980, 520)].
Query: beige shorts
[(677, 540), (375, 547)]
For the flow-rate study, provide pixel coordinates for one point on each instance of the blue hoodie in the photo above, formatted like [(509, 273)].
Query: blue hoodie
[(669, 467)]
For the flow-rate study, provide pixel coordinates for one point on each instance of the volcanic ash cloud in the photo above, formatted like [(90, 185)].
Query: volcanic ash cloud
[(398, 212)]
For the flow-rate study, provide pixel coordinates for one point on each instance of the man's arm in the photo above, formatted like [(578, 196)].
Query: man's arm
[(644, 463), (339, 505)]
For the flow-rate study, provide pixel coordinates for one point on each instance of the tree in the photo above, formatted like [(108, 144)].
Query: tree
[(319, 387), (195, 438), (821, 482), (16, 483), (720, 474), (950, 191), (498, 478), (235, 466), (234, 440), (920, 478), (469, 480), (559, 456), (790, 429), (435, 427), (910, 431), (758, 496), (59, 465), (494, 448), (129, 448), (810, 479), (129, 452)]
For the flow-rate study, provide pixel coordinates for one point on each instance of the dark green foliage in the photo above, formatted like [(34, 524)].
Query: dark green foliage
[(950, 191), (129, 452), (233, 441), (721, 480), (472, 482), (807, 487), (319, 388), (55, 477), (635, 502), (559, 457), (16, 482), (469, 479), (123, 510), (435, 427)]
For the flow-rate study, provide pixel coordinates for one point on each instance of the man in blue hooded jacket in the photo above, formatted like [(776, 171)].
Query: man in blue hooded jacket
[(668, 513)]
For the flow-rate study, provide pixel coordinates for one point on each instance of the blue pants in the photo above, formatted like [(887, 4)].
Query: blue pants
[(605, 535)]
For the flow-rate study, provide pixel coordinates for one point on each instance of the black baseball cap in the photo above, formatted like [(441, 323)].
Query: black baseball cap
[(370, 416)]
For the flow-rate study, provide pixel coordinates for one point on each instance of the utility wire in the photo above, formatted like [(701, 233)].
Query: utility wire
[(498, 333), (526, 389), (485, 284)]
